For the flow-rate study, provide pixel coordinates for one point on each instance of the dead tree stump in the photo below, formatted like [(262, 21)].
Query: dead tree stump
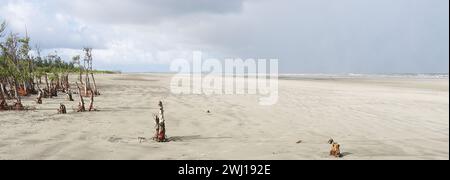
[(39, 98), (81, 107), (54, 91), (69, 95), (162, 132), (62, 109), (160, 135), (335, 150), (156, 126)]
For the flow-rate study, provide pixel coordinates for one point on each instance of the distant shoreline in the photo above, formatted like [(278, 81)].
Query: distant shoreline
[(325, 75)]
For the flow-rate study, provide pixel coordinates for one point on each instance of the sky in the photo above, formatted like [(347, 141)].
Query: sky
[(307, 36)]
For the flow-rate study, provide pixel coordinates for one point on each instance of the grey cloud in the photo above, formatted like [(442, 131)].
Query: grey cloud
[(145, 11), (47, 28), (308, 36), (359, 36)]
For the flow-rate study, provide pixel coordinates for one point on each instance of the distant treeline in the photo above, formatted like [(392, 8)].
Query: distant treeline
[(16, 61), (20, 71)]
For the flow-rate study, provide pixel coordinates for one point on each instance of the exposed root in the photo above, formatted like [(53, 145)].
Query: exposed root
[(18, 106), (3, 105), (22, 91), (142, 139), (81, 107)]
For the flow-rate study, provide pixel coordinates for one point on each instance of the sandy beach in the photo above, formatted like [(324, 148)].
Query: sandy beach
[(371, 117)]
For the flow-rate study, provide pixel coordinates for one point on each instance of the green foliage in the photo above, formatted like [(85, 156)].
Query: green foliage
[(16, 62)]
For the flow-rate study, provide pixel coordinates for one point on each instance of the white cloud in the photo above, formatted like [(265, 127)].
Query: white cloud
[(306, 35), (48, 29)]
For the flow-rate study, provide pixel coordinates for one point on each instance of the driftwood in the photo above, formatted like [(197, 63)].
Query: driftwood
[(81, 107), (62, 109)]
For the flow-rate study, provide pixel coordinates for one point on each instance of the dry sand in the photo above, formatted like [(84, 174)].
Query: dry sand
[(373, 118)]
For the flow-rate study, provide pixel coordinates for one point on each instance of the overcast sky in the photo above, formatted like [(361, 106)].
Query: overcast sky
[(307, 36)]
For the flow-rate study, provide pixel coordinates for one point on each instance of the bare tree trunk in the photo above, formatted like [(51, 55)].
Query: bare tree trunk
[(91, 103), (95, 85), (10, 90), (39, 98), (16, 92), (18, 105), (65, 83), (46, 83), (25, 88), (2, 92), (3, 104), (87, 86), (2, 96), (81, 76), (56, 83), (33, 85), (81, 104), (69, 95), (160, 125), (5, 91)]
